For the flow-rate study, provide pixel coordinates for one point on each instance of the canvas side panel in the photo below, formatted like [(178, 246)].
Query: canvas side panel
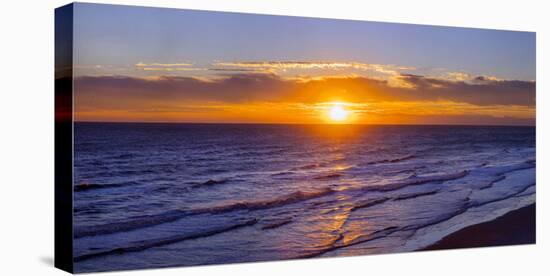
[(64, 138)]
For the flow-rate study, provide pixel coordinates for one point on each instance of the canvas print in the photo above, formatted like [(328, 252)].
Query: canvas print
[(204, 137)]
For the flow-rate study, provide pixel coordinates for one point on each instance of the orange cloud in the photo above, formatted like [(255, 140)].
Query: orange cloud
[(267, 97)]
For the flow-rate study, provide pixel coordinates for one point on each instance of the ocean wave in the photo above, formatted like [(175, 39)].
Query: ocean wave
[(307, 167), (510, 195), (298, 196), (128, 224), (400, 171), (503, 169), (145, 244), (265, 204), (90, 186), (316, 165), (471, 205), (328, 176), (211, 182), (414, 180), (369, 203), (404, 158), (282, 173), (415, 195), (490, 184), (392, 160), (152, 220), (276, 223), (358, 240)]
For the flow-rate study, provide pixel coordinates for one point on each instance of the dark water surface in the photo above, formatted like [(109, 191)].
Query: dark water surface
[(156, 195)]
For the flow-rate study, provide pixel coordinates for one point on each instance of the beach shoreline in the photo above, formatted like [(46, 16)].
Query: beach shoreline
[(513, 228)]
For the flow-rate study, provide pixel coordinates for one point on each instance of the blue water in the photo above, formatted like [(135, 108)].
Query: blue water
[(157, 195)]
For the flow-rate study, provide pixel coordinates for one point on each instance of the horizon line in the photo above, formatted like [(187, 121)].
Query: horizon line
[(313, 124)]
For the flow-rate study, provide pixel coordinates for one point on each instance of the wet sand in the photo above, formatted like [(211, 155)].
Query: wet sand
[(514, 228)]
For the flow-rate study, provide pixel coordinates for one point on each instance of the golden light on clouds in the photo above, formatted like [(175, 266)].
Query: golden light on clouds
[(417, 112), (272, 98)]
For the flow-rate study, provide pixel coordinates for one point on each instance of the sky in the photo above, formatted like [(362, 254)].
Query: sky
[(137, 64)]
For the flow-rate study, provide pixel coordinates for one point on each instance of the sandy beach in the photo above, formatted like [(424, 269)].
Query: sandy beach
[(514, 228)]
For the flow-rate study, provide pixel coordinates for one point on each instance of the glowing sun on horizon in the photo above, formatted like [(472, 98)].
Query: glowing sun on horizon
[(338, 113)]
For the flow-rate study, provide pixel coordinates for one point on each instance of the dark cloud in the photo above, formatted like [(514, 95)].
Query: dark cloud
[(481, 91), (122, 92), (109, 92)]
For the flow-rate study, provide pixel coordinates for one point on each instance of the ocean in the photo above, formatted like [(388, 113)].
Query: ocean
[(158, 195)]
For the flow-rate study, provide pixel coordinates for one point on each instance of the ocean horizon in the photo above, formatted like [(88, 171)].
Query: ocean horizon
[(304, 124)]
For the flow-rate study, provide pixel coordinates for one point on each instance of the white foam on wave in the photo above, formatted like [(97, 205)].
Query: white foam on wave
[(485, 212)]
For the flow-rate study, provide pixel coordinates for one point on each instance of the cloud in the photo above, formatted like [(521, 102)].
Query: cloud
[(254, 87), (257, 70), (458, 76), (481, 91), (303, 65), (141, 64), (128, 92), (168, 69)]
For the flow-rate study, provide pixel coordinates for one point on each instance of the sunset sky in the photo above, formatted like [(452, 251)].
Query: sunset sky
[(135, 64)]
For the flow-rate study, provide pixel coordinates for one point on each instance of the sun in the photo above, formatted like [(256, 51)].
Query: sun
[(338, 113)]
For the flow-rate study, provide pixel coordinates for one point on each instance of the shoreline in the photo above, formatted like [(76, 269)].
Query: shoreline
[(513, 228)]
